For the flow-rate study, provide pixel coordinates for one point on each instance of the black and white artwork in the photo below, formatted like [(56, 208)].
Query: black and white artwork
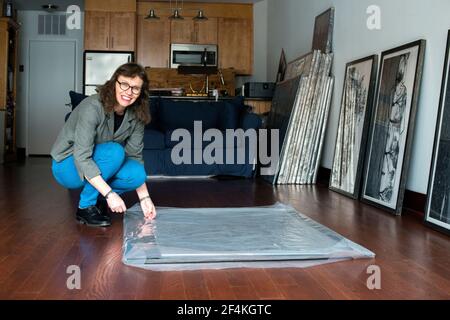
[(392, 126), (282, 67), (356, 107), (437, 213), (323, 32)]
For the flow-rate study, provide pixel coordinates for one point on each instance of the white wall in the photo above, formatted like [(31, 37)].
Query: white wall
[(290, 26), (28, 31), (260, 45)]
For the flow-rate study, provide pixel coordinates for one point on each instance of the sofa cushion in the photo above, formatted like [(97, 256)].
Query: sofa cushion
[(182, 114), (76, 98), (154, 140), (170, 144), (250, 121), (230, 113), (154, 106)]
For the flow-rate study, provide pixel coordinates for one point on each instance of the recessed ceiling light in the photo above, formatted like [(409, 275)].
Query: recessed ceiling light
[(49, 7)]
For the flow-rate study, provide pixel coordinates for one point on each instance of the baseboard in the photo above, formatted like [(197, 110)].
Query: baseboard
[(413, 202), (323, 176), (21, 154)]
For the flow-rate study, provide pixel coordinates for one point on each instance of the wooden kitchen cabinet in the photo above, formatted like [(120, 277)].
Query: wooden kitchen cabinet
[(123, 31), (153, 42), (182, 31), (194, 32), (8, 88), (206, 31), (235, 40), (110, 31), (96, 30)]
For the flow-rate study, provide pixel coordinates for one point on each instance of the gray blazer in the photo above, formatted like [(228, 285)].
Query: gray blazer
[(89, 125)]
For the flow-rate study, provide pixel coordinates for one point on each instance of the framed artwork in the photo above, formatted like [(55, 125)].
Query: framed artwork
[(303, 145), (392, 126), (299, 66), (351, 140), (437, 211), (283, 102), (281, 67), (323, 31)]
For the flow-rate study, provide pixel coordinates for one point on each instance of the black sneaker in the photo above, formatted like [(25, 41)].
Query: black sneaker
[(102, 205), (91, 216)]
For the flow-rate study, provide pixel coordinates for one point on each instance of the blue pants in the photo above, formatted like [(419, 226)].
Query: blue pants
[(120, 173)]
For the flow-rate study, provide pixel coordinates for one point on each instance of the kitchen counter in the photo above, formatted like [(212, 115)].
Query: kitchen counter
[(208, 98), (193, 98), (256, 105)]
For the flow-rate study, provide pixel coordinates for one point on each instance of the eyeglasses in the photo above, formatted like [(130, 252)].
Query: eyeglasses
[(125, 86)]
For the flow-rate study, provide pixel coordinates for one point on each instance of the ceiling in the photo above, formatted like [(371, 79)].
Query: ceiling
[(36, 4), (63, 4)]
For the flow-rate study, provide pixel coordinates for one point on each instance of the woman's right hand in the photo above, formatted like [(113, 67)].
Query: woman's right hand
[(116, 203)]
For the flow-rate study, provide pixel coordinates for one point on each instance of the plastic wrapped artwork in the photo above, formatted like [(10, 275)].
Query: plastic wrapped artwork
[(219, 238)]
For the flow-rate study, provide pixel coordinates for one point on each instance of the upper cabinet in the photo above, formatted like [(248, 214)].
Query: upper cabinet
[(111, 31), (120, 25), (123, 31), (236, 45), (96, 30), (153, 42), (182, 31), (206, 31), (110, 25), (229, 25), (194, 32)]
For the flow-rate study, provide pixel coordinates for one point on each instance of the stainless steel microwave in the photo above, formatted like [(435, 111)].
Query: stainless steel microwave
[(193, 55)]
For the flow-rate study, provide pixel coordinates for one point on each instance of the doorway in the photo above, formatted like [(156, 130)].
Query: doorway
[(52, 76)]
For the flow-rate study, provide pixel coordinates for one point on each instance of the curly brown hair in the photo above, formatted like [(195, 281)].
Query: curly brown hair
[(107, 92)]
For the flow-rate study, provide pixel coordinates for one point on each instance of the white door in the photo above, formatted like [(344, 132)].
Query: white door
[(52, 76)]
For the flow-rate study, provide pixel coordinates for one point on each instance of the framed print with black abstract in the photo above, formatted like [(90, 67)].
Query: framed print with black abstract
[(392, 126), (437, 212), (351, 140)]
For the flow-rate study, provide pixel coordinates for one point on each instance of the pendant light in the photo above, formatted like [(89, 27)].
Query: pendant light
[(49, 7), (200, 16), (176, 11), (176, 15), (152, 15)]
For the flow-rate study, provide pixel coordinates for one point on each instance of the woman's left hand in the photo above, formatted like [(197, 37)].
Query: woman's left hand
[(148, 208)]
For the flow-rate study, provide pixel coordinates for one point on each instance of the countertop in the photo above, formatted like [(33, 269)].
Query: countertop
[(207, 98)]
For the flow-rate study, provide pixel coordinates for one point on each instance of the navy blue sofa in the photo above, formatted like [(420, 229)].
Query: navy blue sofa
[(171, 114)]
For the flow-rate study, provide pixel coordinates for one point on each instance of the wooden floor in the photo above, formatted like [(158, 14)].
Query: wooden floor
[(39, 239)]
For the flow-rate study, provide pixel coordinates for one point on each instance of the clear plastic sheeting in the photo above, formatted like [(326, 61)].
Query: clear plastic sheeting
[(218, 238)]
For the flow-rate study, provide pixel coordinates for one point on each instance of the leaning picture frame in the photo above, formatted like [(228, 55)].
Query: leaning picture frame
[(323, 31), (281, 67), (351, 139), (299, 66), (437, 209), (392, 126)]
